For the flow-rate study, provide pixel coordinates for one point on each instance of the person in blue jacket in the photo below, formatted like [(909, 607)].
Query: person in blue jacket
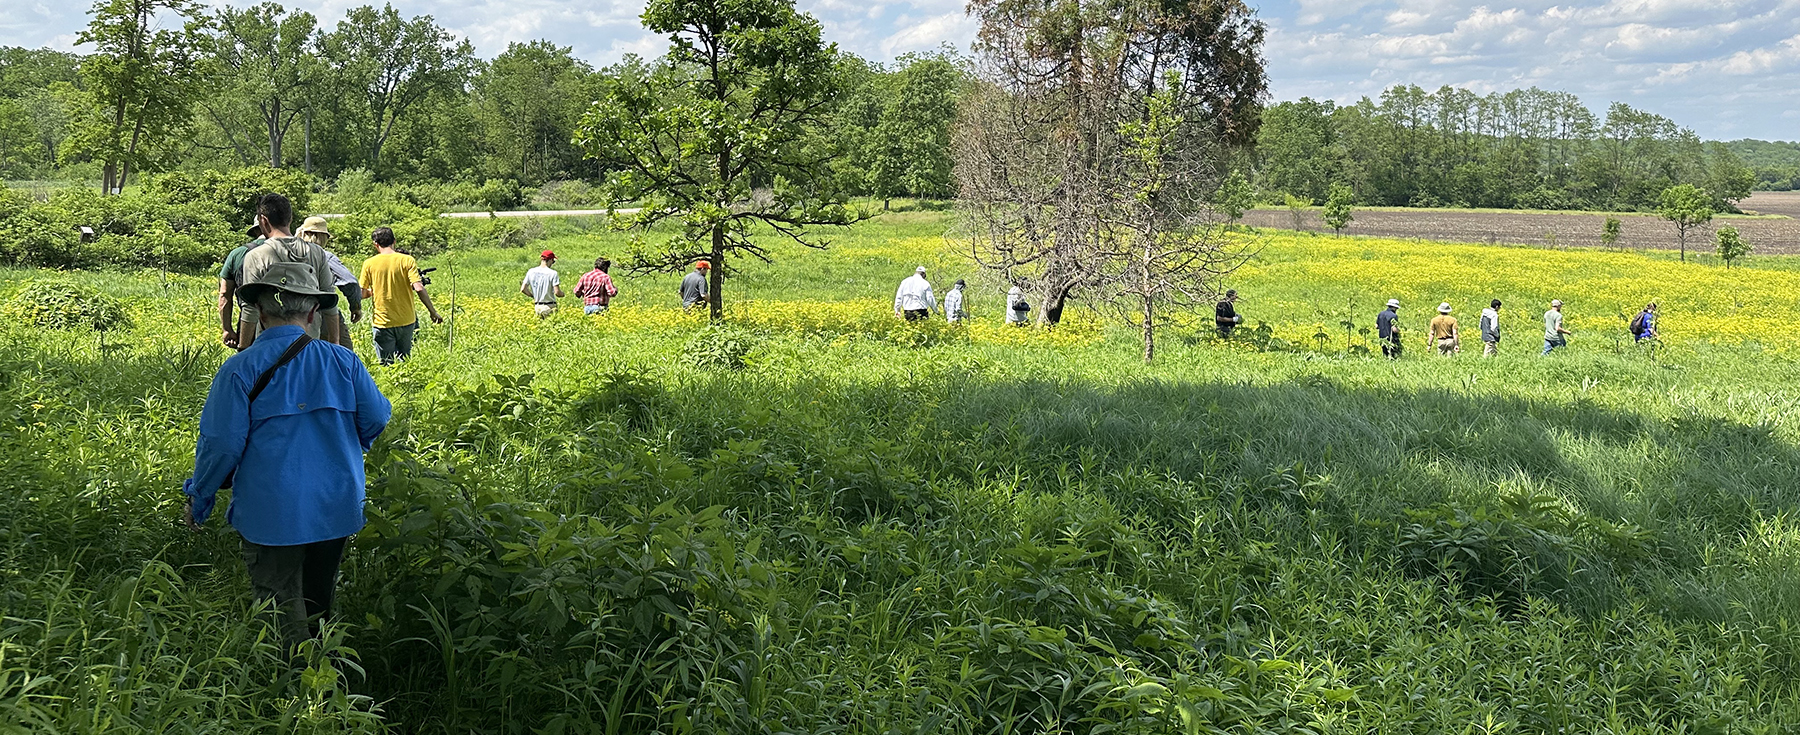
[(291, 452)]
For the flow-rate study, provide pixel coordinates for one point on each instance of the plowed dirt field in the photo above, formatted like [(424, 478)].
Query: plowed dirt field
[(1768, 236)]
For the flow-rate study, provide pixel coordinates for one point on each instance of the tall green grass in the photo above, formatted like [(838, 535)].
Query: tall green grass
[(576, 528)]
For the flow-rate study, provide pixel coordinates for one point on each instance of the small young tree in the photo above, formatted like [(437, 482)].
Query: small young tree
[(1688, 207), (1235, 196), (1160, 249), (1732, 245), (716, 137), (1338, 208), (1609, 233), (1296, 206)]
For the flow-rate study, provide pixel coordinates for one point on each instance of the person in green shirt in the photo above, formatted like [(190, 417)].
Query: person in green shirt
[(230, 275)]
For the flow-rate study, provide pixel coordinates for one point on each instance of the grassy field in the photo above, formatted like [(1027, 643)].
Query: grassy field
[(817, 519)]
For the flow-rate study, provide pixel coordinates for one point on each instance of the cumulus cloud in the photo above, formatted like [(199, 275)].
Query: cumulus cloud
[(1727, 68)]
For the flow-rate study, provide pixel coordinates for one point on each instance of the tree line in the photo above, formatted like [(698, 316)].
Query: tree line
[(1527, 148), (172, 85)]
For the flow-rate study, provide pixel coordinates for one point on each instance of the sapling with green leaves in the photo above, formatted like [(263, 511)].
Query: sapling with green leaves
[(1609, 232), (1338, 207), (1296, 206), (1732, 245), (1687, 207)]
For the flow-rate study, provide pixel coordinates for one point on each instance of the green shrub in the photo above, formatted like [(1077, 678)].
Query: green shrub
[(719, 346), (59, 305), (234, 193)]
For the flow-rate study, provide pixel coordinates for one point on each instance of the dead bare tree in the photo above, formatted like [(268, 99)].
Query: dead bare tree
[(1039, 144)]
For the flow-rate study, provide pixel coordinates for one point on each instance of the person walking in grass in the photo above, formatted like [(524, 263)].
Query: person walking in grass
[(1387, 330), (1643, 326), (1443, 331), (389, 281), (596, 289), (1017, 310), (1490, 329), (285, 426), (1554, 334), (313, 230), (274, 214), (693, 286), (1225, 315), (914, 300), (230, 275), (543, 285), (953, 302)]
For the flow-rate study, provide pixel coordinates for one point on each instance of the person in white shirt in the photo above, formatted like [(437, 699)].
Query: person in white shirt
[(1490, 329), (543, 285), (914, 299), (1016, 308), (953, 302)]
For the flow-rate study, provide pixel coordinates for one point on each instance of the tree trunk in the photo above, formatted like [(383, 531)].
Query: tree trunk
[(275, 134), (1149, 329), (715, 296)]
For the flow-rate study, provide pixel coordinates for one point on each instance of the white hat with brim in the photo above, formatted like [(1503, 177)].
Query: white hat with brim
[(1556, 302), (1394, 303), (1444, 308), (314, 223), (921, 269)]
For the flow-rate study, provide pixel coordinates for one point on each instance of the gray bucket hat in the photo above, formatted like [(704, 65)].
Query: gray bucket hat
[(294, 278)]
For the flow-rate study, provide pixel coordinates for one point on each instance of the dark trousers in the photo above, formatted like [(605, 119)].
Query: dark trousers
[(1225, 329), (1390, 346), (913, 315), (392, 343), (300, 580)]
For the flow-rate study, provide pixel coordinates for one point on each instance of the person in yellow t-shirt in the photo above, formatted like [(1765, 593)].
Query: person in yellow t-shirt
[(1443, 331), (389, 281)]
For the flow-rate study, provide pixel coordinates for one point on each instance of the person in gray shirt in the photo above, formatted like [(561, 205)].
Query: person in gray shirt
[(693, 287)]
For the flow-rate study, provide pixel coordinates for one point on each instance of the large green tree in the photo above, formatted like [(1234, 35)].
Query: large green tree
[(263, 58), (718, 135), (530, 98), (908, 149), (142, 78), (389, 67)]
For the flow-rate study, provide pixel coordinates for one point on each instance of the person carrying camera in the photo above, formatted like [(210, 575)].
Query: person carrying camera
[(389, 281)]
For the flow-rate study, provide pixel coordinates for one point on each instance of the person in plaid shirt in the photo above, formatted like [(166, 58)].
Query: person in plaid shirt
[(596, 288)]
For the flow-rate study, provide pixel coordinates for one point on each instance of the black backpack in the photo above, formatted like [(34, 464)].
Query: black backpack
[(1637, 325)]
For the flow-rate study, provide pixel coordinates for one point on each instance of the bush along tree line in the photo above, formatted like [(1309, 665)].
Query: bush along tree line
[(1529, 149), (170, 85)]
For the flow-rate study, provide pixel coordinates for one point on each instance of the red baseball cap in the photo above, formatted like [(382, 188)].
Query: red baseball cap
[(703, 265), (548, 255)]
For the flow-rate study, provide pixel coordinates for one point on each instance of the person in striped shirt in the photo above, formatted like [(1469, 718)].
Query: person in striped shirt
[(596, 288)]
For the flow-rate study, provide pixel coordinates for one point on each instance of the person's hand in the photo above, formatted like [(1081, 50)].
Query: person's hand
[(187, 514), (436, 318), (228, 337), (355, 317)]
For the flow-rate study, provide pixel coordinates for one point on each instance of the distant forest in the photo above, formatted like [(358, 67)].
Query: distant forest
[(1528, 148), (1777, 164)]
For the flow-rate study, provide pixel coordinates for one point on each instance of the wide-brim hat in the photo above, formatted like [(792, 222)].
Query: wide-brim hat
[(1556, 302), (314, 223), (1394, 303), (1444, 308), (294, 278)]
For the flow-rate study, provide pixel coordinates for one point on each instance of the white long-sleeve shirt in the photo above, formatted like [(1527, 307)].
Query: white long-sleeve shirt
[(953, 304), (914, 293), (1014, 296)]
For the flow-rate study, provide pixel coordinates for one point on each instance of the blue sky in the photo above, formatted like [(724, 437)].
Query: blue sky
[(1726, 68)]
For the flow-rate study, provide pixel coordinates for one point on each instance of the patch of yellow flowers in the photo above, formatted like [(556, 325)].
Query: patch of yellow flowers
[(1302, 284), (872, 318)]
